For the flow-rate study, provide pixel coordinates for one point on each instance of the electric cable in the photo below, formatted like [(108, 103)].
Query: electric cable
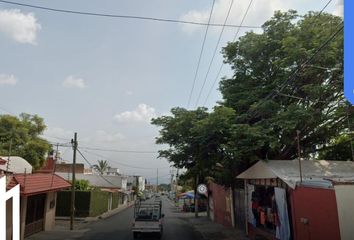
[(122, 16), (214, 53), (222, 64), (200, 55)]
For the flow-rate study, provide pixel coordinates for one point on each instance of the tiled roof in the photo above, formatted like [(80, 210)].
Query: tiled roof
[(37, 183), (118, 182)]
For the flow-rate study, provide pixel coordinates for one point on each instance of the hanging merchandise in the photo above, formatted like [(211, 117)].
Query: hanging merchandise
[(283, 229)]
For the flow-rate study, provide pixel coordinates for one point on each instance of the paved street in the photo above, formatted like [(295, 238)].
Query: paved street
[(119, 226), (178, 225)]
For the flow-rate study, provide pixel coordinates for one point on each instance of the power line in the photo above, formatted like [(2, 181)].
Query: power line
[(117, 151), (104, 149), (324, 7), (119, 163), (122, 16), (163, 176), (200, 55), (215, 50), (294, 73), (222, 64), (59, 138), (88, 162)]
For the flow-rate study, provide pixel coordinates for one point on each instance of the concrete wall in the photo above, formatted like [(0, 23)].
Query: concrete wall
[(67, 168), (211, 207), (314, 214), (49, 216), (345, 201), (222, 204)]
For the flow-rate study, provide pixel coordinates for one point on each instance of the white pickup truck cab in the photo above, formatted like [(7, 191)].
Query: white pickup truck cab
[(148, 218)]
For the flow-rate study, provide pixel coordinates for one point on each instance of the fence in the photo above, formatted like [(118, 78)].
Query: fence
[(87, 203)]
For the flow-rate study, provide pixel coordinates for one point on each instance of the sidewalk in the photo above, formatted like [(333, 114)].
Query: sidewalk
[(213, 231), (62, 225), (208, 230)]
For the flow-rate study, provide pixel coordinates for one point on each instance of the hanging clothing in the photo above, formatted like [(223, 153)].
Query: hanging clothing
[(250, 214), (263, 217), (282, 231)]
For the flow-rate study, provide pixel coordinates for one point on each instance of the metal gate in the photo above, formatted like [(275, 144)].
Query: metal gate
[(35, 214)]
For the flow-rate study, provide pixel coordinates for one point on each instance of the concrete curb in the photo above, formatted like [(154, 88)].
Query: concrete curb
[(85, 221), (105, 215)]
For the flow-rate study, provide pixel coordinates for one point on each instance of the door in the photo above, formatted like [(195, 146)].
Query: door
[(35, 214)]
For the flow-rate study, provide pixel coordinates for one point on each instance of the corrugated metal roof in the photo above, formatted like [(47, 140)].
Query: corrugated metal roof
[(288, 170), (16, 165), (97, 180), (31, 184)]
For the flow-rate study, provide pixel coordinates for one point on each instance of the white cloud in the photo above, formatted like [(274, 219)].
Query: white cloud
[(339, 9), (143, 113), (58, 133), (259, 12), (6, 79), (19, 26), (74, 82), (102, 136)]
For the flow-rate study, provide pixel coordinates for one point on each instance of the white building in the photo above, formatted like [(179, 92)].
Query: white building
[(112, 171), (138, 181), (15, 164)]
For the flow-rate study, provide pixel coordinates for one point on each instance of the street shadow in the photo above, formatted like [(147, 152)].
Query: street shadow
[(148, 236)]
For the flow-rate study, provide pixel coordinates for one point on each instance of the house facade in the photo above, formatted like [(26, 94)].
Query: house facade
[(37, 196)]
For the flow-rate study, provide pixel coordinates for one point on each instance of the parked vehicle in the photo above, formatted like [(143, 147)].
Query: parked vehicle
[(148, 218)]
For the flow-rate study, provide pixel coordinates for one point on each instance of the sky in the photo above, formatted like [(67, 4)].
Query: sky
[(105, 78)]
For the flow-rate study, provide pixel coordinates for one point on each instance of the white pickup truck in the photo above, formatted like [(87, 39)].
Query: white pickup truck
[(148, 218)]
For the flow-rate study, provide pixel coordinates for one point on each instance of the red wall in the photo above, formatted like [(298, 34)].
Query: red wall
[(319, 206), (222, 215)]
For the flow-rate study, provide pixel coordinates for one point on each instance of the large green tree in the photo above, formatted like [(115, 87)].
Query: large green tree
[(267, 101), (22, 136), (271, 100)]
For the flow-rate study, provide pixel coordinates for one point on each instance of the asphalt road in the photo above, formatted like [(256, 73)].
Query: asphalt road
[(119, 226)]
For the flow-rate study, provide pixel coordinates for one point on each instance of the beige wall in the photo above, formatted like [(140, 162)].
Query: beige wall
[(49, 217), (345, 200)]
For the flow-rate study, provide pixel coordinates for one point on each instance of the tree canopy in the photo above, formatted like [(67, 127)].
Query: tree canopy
[(22, 135), (270, 97)]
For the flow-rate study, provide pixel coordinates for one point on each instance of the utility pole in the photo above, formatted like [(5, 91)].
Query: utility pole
[(171, 181), (299, 153), (55, 163), (74, 144), (157, 180), (9, 155), (195, 195), (57, 152), (176, 191)]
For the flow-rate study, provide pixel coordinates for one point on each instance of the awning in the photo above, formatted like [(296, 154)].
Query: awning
[(288, 171)]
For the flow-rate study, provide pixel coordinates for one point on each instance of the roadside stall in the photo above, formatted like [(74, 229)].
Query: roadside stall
[(186, 201), (281, 205)]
